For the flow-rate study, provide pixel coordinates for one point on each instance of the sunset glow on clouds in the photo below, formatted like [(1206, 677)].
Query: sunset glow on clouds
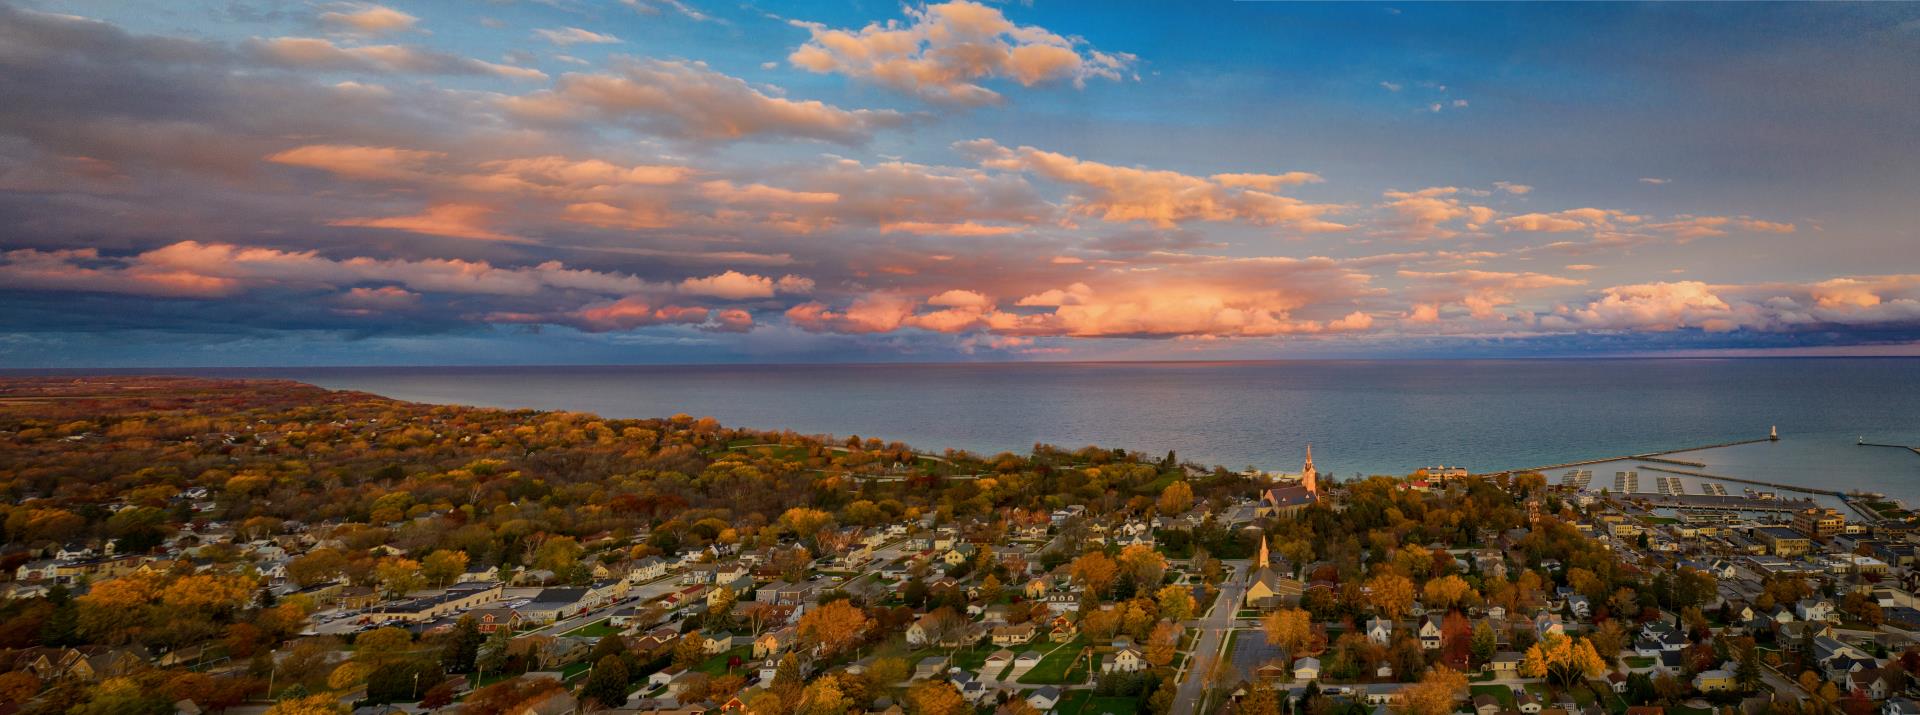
[(357, 181)]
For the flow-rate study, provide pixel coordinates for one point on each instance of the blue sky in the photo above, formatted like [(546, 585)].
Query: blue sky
[(261, 183)]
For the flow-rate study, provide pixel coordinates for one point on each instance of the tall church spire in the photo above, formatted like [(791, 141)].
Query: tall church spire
[(1308, 477), (1263, 561)]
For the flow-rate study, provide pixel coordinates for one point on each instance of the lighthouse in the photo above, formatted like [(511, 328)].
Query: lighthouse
[(1773, 433)]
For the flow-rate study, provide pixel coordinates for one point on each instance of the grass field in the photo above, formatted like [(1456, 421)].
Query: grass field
[(1084, 702), (1499, 692), (1058, 667), (595, 629)]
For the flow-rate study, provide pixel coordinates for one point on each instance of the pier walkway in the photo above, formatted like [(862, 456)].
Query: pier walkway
[(1915, 450), (1646, 457)]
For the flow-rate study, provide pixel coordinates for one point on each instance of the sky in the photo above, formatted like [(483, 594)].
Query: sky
[(258, 183)]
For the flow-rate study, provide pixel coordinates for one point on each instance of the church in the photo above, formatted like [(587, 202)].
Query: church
[(1267, 588), (1289, 499)]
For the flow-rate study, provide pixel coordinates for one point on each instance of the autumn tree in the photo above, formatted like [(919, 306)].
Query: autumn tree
[(834, 627), (1391, 594), (936, 697), (1176, 603), (1177, 498), (1162, 644), (1562, 659), (1287, 628), (1435, 694), (443, 566), (1447, 592), (1094, 571)]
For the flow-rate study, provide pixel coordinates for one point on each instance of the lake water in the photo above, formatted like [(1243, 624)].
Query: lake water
[(1372, 417)]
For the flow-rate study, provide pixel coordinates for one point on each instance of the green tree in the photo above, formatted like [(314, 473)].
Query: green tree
[(463, 646), (607, 684)]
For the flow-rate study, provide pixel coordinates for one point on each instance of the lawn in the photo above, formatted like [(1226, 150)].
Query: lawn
[(595, 629), (717, 665), (1638, 661), (1501, 693), (1057, 667), (1084, 702)]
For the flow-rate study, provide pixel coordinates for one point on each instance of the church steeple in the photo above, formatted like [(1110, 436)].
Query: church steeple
[(1309, 478), (1263, 560)]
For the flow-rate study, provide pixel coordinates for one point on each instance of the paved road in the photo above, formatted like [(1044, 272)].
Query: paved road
[(1213, 633)]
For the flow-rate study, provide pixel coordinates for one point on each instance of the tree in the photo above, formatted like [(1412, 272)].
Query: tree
[(1259, 700), (688, 652), (1447, 592), (607, 684), (834, 626), (398, 577), (1094, 571), (1435, 694), (463, 646), (719, 616), (1562, 659), (1176, 603), (1484, 643), (558, 554), (1177, 498), (1288, 628), (1608, 639), (321, 704), (936, 697), (1391, 594), (442, 567), (1142, 565), (822, 697), (1162, 644)]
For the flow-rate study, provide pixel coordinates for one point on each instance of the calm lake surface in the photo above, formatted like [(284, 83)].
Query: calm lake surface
[(1372, 417)]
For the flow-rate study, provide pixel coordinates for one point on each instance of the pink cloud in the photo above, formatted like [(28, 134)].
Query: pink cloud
[(943, 52), (687, 100), (447, 219), (1164, 198)]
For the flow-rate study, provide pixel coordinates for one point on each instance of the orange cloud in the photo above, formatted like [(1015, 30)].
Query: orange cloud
[(452, 220), (943, 51), (1164, 198), (368, 19), (687, 100)]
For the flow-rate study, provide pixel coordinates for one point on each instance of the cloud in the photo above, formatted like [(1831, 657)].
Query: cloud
[(564, 36), (1687, 227), (731, 285), (314, 53), (1482, 293), (358, 162), (1392, 86), (687, 100), (368, 19), (1582, 219), (446, 219), (1427, 213), (943, 52), (1654, 181), (1512, 188), (214, 269), (1858, 302), (1164, 198)]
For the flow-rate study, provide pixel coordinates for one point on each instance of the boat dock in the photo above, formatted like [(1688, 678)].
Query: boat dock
[(1743, 480), (1705, 503)]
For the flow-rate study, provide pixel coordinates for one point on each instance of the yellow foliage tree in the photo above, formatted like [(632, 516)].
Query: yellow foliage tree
[(1435, 694), (1391, 594), (1288, 628), (320, 704), (1447, 591), (1562, 659)]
